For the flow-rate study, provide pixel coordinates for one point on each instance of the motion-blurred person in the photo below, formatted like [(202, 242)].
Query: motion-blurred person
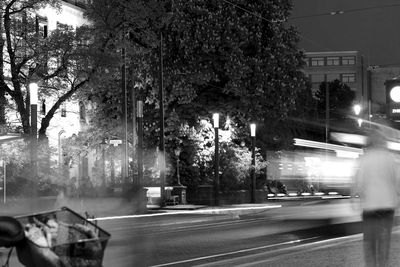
[(377, 185)]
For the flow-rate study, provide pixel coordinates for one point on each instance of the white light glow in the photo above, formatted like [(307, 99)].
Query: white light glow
[(326, 146), (216, 120), (360, 121), (393, 146), (395, 94), (33, 93), (357, 109), (253, 130), (346, 154), (349, 138)]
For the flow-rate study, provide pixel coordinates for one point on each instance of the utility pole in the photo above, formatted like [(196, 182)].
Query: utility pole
[(134, 130), (125, 158)]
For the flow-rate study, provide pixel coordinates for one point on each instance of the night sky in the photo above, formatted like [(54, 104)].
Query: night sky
[(369, 26)]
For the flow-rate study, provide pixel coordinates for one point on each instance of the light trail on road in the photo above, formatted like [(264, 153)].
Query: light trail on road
[(205, 211), (234, 252)]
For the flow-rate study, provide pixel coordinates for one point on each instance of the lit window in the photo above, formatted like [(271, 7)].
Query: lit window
[(317, 61), (332, 61), (349, 60), (348, 77)]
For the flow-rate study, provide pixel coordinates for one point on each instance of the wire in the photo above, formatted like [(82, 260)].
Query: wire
[(251, 13), (261, 17), (340, 12)]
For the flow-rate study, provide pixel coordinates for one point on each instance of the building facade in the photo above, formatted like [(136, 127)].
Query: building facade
[(346, 66), (70, 118), (368, 82)]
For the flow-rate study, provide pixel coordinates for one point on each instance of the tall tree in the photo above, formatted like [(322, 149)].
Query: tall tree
[(237, 58), (341, 99)]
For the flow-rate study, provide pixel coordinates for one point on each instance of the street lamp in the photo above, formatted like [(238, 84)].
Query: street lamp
[(139, 115), (33, 94), (357, 111), (216, 164), (103, 146), (60, 159), (177, 154), (253, 162)]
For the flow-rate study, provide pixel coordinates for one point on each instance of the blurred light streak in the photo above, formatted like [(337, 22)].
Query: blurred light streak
[(200, 211), (237, 252), (326, 146), (355, 139), (393, 146)]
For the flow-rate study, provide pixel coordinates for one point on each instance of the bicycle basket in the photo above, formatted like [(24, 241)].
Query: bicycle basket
[(74, 239)]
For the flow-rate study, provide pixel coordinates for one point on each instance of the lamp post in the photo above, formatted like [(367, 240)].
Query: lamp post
[(60, 159), (253, 162), (33, 93), (216, 158), (139, 116), (103, 146), (177, 154)]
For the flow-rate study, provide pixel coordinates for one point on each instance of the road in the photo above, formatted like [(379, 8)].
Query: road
[(227, 239), (144, 242)]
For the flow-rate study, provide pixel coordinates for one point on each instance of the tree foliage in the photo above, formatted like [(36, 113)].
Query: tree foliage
[(241, 64), (341, 98), (239, 59)]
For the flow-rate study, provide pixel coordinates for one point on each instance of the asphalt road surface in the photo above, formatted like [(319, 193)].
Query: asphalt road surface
[(270, 237), (146, 242)]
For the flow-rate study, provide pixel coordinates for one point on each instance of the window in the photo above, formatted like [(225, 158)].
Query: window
[(333, 76), (64, 110), (349, 60), (43, 107), (348, 77), (332, 61), (317, 78), (41, 26), (317, 61), (82, 112)]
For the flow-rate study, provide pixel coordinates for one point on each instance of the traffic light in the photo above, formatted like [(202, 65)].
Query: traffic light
[(393, 99)]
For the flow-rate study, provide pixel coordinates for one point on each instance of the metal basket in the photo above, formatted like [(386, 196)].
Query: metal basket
[(71, 245)]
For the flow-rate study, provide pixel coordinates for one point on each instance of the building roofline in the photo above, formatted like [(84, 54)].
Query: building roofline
[(332, 53)]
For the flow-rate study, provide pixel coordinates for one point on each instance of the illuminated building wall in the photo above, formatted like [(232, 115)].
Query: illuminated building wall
[(68, 119)]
